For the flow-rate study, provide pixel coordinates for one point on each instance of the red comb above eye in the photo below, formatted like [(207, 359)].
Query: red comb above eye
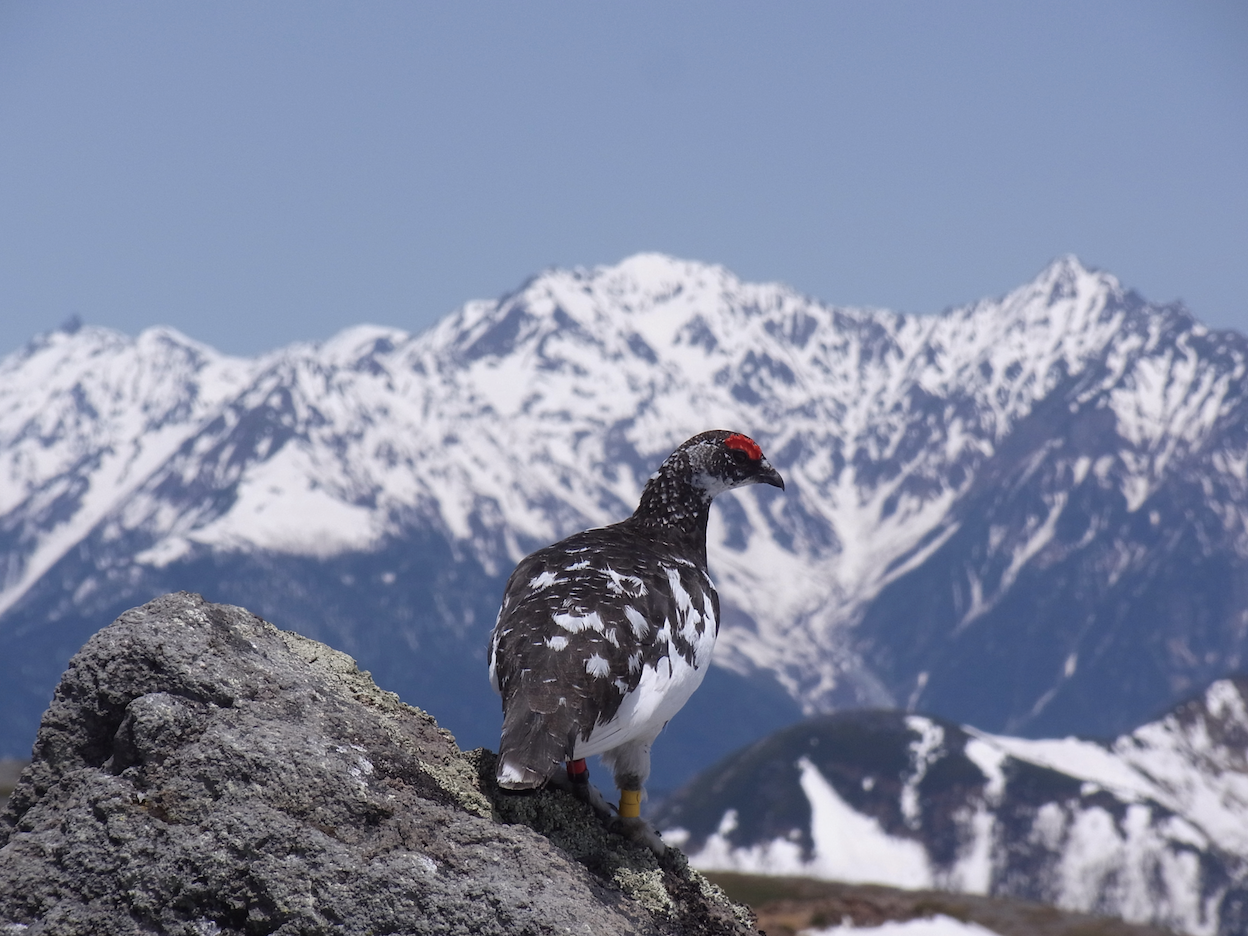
[(744, 444)]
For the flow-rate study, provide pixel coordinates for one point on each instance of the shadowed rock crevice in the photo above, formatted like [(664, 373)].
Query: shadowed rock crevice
[(200, 771)]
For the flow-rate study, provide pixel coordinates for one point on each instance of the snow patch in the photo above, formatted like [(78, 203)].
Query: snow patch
[(938, 925), (848, 846)]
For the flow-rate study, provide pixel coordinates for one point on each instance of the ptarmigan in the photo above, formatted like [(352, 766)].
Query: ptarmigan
[(603, 636)]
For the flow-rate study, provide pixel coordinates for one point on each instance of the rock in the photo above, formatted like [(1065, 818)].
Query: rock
[(200, 771)]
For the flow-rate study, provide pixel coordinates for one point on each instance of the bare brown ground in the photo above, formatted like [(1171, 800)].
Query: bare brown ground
[(786, 906)]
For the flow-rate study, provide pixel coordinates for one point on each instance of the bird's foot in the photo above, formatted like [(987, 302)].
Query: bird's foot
[(638, 830), (589, 793), (577, 783), (623, 821)]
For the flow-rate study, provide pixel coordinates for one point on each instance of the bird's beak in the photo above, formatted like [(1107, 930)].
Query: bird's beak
[(769, 475)]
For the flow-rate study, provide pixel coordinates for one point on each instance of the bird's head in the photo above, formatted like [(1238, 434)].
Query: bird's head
[(702, 467), (720, 460)]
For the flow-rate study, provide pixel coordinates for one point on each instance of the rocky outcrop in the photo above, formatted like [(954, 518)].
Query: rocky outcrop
[(200, 771)]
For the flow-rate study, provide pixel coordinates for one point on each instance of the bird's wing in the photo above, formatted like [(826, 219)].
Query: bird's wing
[(580, 622)]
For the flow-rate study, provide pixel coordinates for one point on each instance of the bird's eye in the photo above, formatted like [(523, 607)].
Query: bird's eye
[(744, 445)]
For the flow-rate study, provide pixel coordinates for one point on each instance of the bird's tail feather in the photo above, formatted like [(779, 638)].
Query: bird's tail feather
[(533, 747)]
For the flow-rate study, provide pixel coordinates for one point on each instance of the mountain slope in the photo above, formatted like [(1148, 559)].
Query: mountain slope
[(998, 513), (1150, 827)]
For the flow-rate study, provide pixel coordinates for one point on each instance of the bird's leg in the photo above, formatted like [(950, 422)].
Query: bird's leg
[(586, 792), (631, 765), (630, 804), (578, 771), (632, 826)]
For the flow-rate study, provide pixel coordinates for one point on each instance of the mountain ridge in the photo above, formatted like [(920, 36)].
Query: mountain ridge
[(1149, 826), (940, 467)]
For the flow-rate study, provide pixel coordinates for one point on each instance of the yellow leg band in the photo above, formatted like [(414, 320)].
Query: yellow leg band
[(630, 804)]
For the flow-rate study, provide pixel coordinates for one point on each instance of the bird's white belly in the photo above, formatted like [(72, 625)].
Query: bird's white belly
[(661, 693)]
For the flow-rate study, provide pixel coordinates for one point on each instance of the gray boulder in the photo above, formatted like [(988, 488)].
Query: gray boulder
[(201, 772)]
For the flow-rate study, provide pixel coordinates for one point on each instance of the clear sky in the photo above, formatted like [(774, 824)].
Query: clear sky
[(259, 173)]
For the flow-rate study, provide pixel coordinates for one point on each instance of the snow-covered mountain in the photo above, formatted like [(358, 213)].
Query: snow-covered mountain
[(1152, 827), (1024, 514)]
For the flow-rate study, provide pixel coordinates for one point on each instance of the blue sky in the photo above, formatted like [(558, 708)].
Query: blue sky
[(260, 173)]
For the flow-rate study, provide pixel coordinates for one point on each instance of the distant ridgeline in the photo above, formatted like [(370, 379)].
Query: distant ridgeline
[(1024, 515), (1152, 827)]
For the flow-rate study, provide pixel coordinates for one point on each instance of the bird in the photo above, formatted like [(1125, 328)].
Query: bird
[(603, 636)]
